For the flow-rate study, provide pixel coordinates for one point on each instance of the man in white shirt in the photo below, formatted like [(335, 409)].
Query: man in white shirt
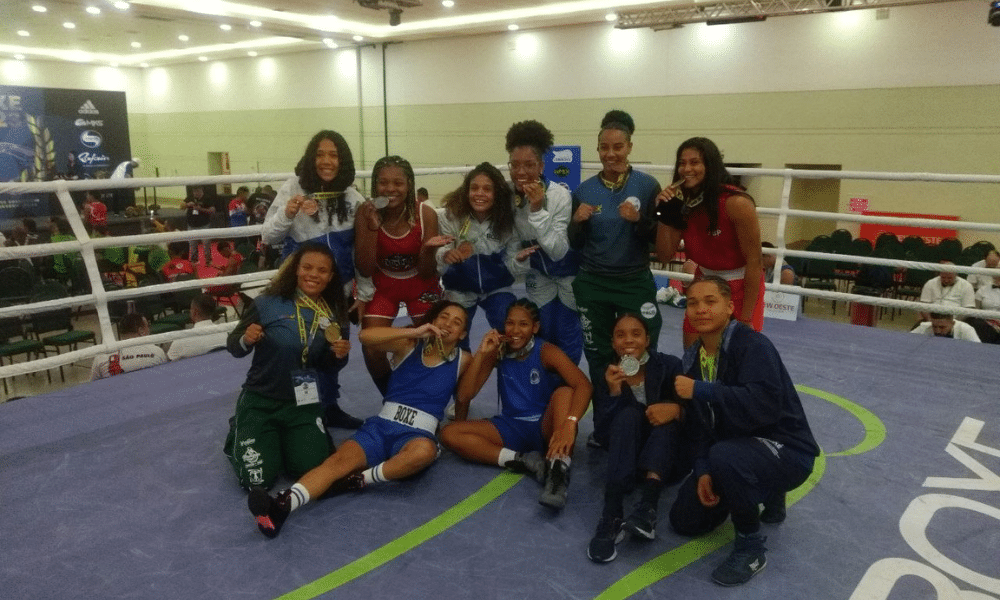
[(942, 325), (947, 288), (132, 358), (202, 308), (992, 261)]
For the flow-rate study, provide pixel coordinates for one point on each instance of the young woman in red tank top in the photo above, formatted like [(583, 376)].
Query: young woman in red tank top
[(391, 249), (718, 224)]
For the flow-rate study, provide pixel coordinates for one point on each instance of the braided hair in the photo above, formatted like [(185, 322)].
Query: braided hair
[(410, 205)]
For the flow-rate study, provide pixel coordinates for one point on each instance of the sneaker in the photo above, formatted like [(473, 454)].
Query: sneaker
[(532, 463), (746, 560), (354, 482), (774, 509), (610, 531), (270, 512), (556, 486), (336, 417), (642, 521)]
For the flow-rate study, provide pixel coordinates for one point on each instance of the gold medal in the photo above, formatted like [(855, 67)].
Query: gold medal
[(310, 207), (324, 196), (435, 343), (332, 332)]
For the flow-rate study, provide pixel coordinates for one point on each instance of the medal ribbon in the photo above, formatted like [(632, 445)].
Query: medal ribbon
[(320, 309), (707, 365)]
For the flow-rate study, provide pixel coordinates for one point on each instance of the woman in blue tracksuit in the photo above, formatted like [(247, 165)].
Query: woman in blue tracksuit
[(477, 245), (318, 205), (542, 211)]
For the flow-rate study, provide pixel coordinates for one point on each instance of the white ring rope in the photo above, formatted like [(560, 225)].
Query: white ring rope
[(100, 297)]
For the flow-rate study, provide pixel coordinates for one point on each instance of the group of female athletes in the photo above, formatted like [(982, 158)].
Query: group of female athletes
[(585, 259)]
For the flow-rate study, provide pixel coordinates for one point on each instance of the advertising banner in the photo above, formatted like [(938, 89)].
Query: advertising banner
[(562, 166), (931, 235), (50, 133)]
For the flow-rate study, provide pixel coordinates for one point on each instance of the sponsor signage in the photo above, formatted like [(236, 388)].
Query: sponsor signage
[(779, 305), (931, 235), (562, 166)]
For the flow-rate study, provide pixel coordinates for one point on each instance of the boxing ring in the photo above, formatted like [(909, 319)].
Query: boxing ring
[(119, 488)]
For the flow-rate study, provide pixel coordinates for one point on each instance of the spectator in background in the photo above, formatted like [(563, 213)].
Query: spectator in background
[(943, 325), (61, 263), (202, 308), (231, 267), (768, 261), (123, 198), (238, 214), (95, 213), (949, 289), (131, 358), (422, 195), (199, 216), (992, 261), (987, 298), (179, 262)]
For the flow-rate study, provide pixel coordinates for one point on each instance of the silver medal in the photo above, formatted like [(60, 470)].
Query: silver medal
[(629, 365)]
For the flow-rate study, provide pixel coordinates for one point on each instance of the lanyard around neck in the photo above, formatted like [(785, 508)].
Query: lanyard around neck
[(319, 308)]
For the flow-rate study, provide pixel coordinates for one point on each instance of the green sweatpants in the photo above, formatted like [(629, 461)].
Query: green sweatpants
[(268, 437), (601, 299)]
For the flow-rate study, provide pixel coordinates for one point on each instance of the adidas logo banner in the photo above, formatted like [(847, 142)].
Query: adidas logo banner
[(88, 108)]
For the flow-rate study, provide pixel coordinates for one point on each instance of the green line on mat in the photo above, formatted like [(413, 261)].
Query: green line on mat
[(875, 431), (378, 557)]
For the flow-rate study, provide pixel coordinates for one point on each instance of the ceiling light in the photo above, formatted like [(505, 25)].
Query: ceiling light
[(144, 65), (39, 8), (69, 25), (203, 58), (225, 27), (512, 27), (19, 56), (251, 53), (330, 43), (183, 38), (136, 45), (23, 33), (358, 38), (255, 23), (612, 17), (93, 10), (448, 3), (122, 5), (114, 64)]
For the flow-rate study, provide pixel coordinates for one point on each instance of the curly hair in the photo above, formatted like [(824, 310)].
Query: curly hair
[(457, 205), (410, 205), (286, 282), (530, 133), (620, 120), (310, 180), (716, 175)]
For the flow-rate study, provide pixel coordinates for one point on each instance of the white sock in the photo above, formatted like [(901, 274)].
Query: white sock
[(506, 455), (374, 475), (299, 495), (564, 458)]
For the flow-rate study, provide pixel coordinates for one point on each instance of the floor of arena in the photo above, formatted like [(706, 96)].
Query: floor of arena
[(119, 489)]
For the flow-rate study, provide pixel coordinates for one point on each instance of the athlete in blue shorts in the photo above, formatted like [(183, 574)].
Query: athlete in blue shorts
[(532, 415), (400, 440)]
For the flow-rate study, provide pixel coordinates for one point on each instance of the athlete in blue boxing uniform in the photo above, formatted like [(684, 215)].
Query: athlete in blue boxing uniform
[(400, 440), (532, 414)]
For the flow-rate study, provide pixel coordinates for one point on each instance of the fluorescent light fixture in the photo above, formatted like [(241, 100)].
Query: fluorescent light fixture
[(358, 38), (203, 58), (39, 8), (225, 27), (330, 43), (136, 45), (122, 5), (251, 53), (447, 3), (19, 56), (255, 23), (144, 65), (611, 17), (69, 25), (93, 10), (512, 27), (23, 33), (183, 37), (114, 64)]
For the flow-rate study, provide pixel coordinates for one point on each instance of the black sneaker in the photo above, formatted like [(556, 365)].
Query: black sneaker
[(354, 482), (532, 463), (610, 531), (556, 486), (774, 509), (746, 560), (270, 512), (334, 416), (642, 521)]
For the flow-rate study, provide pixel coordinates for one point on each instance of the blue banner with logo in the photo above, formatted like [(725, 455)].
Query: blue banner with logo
[(562, 166), (51, 133)]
